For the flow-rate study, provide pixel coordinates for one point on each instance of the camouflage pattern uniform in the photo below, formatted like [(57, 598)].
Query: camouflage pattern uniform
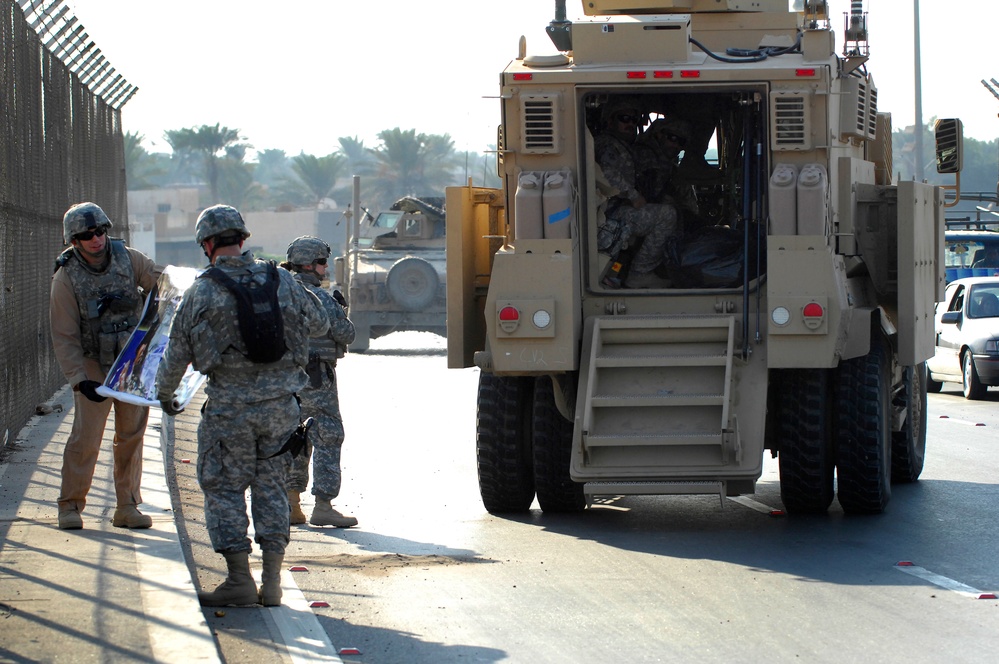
[(251, 409), (657, 164), (92, 312), (653, 221), (320, 399)]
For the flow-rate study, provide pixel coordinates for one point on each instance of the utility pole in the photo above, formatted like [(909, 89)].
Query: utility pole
[(994, 89), (919, 174)]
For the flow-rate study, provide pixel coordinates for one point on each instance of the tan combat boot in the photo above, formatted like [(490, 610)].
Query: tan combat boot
[(238, 587), (325, 515), (270, 578), (70, 519), (295, 505), (128, 516)]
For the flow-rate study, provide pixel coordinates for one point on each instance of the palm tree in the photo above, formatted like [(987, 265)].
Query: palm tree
[(317, 175), (140, 167), (411, 164), (272, 167), (208, 141), (359, 158)]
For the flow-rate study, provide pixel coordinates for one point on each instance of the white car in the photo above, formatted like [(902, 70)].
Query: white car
[(967, 337)]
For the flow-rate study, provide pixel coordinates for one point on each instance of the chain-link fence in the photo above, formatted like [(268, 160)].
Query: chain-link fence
[(60, 143)]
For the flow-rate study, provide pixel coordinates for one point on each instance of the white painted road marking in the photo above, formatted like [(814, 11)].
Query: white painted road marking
[(943, 581)]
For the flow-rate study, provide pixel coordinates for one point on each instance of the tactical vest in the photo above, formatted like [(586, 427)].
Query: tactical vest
[(325, 348), (109, 301), (221, 346)]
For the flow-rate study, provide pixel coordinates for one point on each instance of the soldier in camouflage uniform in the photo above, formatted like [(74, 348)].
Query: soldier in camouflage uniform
[(252, 408), (307, 259), (635, 217), (658, 151), (95, 304)]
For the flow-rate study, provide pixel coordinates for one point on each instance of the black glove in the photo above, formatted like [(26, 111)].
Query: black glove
[(338, 296), (88, 388), (168, 407)]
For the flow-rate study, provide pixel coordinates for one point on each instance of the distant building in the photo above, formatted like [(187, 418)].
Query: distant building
[(162, 222)]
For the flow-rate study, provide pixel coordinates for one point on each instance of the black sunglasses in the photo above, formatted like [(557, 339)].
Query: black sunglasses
[(89, 235), (320, 261), (679, 140), (630, 119)]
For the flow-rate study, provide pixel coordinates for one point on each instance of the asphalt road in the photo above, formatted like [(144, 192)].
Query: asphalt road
[(429, 576)]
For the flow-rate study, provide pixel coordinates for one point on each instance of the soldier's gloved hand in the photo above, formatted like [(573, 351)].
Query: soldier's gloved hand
[(88, 388), (338, 296), (170, 408)]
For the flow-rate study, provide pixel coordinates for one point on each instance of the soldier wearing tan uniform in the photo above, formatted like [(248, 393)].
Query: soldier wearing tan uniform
[(252, 407), (95, 303)]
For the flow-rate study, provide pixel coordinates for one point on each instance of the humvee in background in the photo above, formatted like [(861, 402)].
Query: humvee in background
[(393, 272)]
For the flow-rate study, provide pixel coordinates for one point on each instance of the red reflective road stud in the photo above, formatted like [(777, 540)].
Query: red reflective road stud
[(348, 651), (988, 596), (319, 604), (298, 568), (776, 512), (904, 563), (185, 461), (945, 417)]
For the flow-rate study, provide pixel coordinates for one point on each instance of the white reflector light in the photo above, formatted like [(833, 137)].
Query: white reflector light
[(780, 316)]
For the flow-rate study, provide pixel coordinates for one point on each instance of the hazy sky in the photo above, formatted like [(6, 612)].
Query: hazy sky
[(298, 74)]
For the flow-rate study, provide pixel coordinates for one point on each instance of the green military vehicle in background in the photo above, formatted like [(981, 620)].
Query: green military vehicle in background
[(393, 273)]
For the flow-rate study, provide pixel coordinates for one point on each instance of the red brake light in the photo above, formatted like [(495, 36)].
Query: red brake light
[(509, 313), (804, 72), (813, 310)]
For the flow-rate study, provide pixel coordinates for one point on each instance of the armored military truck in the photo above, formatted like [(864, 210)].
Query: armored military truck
[(393, 276), (791, 309)]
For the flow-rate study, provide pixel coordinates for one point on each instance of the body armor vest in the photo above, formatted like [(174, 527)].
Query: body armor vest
[(109, 301), (323, 347), (228, 352)]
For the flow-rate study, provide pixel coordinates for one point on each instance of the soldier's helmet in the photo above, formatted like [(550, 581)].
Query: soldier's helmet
[(671, 125), (624, 105), (306, 249), (218, 219), (83, 217)]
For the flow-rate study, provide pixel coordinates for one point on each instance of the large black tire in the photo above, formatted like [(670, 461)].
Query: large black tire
[(552, 454), (503, 443), (412, 283), (806, 457), (908, 446), (863, 431), (972, 386)]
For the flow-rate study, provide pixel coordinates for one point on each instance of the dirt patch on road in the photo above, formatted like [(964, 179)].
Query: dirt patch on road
[(385, 563)]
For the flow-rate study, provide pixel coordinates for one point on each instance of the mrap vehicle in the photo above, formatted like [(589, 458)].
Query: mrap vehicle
[(813, 347)]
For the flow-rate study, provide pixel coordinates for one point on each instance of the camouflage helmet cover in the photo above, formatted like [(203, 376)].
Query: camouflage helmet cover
[(81, 218), (306, 249), (672, 125), (618, 105), (216, 220)]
